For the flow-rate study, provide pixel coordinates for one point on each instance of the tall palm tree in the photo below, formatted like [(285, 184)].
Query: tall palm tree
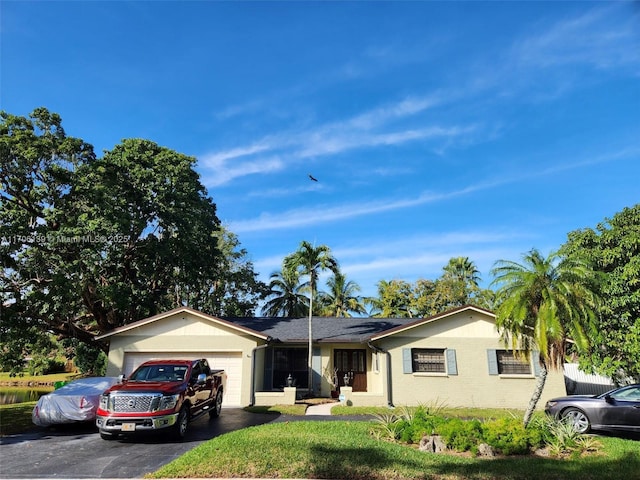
[(341, 299), (464, 270), (287, 297), (543, 303), (309, 261)]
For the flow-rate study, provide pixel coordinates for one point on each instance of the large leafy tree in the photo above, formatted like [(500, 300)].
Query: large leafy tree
[(613, 248), (309, 261), (286, 297), (341, 300), (543, 303), (91, 244), (394, 300), (39, 166), (457, 286), (236, 290), (149, 201)]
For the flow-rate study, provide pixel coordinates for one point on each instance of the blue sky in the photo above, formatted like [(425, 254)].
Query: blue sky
[(435, 129)]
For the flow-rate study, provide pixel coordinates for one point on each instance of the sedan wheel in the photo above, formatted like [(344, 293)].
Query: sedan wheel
[(577, 419)]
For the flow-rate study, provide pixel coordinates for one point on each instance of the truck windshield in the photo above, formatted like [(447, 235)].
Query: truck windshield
[(159, 373)]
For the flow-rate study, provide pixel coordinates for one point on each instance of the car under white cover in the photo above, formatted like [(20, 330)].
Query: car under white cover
[(74, 402)]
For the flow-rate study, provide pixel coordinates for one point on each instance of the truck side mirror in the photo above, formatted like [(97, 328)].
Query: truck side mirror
[(202, 378), (121, 378)]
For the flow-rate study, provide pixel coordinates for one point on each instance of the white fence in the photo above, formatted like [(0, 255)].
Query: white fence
[(581, 383)]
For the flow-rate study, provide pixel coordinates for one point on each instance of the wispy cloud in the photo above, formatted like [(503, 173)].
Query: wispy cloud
[(286, 192), (325, 214), (218, 159), (327, 144), (591, 39), (601, 38), (365, 130), (226, 172)]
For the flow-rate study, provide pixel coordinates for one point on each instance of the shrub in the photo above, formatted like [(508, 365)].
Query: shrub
[(41, 365), (386, 426), (418, 423), (507, 435), (461, 435)]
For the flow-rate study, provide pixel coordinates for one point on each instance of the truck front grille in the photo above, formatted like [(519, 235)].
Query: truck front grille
[(135, 403)]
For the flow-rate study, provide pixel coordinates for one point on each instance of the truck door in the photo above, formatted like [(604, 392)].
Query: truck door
[(201, 391)]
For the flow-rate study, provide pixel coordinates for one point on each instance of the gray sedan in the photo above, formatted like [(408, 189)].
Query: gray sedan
[(617, 409)]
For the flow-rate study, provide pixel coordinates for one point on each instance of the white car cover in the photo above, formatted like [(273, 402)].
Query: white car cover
[(76, 401)]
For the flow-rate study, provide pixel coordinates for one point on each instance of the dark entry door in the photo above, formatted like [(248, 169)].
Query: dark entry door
[(352, 363)]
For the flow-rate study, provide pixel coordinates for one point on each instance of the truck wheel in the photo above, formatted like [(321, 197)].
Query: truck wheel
[(217, 406), (108, 436), (180, 428)]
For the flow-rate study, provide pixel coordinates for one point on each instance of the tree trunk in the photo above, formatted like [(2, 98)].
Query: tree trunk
[(537, 393)]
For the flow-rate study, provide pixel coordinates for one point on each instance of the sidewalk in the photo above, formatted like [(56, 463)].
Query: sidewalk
[(322, 409)]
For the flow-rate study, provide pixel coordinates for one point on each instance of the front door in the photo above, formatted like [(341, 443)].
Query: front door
[(353, 364)]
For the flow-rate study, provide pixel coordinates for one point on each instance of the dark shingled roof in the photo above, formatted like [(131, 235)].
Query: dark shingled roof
[(324, 329)]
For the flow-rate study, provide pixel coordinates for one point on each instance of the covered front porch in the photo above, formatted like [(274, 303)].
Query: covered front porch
[(351, 372)]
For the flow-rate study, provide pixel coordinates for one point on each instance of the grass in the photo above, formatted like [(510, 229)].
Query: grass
[(300, 408), (16, 418), (455, 412), (338, 410), (280, 409), (346, 450)]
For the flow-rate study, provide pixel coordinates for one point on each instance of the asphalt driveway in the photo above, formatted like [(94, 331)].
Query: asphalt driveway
[(79, 452)]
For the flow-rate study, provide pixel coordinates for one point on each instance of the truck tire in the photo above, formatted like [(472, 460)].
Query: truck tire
[(180, 428), (217, 406)]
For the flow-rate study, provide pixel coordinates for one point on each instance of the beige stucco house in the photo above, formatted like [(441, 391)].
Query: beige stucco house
[(455, 358)]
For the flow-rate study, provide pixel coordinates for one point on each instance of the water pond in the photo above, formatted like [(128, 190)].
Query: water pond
[(19, 395)]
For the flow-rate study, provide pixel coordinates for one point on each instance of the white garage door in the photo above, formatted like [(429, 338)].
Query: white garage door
[(231, 362)]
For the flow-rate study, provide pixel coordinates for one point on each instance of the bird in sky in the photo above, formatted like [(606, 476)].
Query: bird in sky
[(313, 178)]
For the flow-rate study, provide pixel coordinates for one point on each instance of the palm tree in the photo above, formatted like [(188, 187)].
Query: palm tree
[(464, 270), (310, 260), (459, 281), (341, 300), (287, 299), (542, 304)]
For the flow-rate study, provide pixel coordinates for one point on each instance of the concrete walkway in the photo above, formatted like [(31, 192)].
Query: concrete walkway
[(322, 409)]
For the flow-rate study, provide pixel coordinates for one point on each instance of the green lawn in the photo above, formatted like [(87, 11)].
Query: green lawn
[(457, 412), (16, 418), (346, 450), (341, 410)]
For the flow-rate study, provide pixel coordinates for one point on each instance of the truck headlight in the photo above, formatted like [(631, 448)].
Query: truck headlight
[(168, 402), (104, 402)]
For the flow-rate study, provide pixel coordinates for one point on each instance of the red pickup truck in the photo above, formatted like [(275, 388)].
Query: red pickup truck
[(161, 395)]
